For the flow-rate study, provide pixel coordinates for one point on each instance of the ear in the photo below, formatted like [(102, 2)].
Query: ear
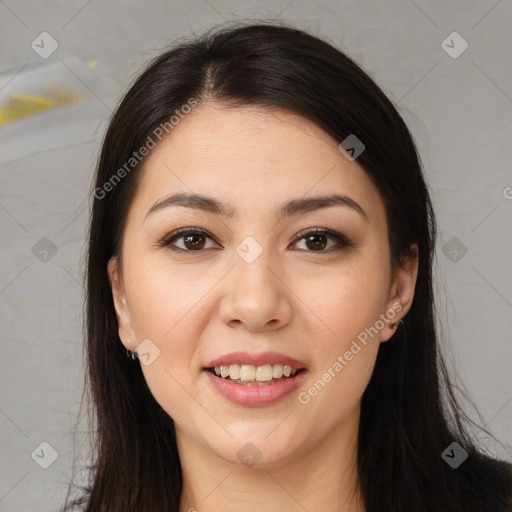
[(402, 291), (120, 305)]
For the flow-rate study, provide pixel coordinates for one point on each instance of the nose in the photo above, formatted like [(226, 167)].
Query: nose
[(257, 296)]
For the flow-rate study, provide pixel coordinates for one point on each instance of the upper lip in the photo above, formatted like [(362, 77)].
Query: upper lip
[(258, 359)]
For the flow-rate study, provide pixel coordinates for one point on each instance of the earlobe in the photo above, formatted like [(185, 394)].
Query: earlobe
[(119, 299)]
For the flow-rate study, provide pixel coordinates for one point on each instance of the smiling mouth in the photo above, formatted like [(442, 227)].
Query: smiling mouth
[(250, 375)]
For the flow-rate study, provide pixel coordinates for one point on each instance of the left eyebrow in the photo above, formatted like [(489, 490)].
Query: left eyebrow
[(292, 207), (303, 205)]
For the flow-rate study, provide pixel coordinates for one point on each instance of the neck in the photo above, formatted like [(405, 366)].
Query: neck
[(323, 478)]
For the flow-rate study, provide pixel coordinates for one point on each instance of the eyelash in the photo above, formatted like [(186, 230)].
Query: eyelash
[(342, 241)]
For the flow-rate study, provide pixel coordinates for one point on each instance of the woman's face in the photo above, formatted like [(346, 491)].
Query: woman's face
[(251, 286)]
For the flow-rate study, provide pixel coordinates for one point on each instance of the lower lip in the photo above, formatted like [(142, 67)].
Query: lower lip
[(256, 396)]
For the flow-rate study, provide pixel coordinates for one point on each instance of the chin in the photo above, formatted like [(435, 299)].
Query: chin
[(255, 450)]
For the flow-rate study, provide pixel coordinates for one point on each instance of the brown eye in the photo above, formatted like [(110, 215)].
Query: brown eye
[(191, 240), (317, 240)]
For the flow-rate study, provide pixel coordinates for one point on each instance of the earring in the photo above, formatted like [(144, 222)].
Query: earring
[(131, 355), (395, 324)]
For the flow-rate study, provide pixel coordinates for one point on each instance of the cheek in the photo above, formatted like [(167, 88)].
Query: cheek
[(168, 386), (344, 361), (169, 313), (349, 304), (337, 391), (347, 301), (163, 300), (168, 310)]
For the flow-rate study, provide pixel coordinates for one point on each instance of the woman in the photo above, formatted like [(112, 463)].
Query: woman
[(261, 247)]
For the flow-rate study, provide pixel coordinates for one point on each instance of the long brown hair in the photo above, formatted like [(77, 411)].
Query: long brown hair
[(409, 414)]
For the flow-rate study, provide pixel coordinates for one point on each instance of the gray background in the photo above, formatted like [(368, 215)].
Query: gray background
[(459, 110)]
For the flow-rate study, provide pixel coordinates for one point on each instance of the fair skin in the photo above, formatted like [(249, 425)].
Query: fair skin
[(295, 298)]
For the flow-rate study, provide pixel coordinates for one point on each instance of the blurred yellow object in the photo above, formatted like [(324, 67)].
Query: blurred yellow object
[(22, 105)]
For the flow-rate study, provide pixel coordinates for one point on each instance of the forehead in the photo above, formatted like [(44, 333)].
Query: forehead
[(252, 156)]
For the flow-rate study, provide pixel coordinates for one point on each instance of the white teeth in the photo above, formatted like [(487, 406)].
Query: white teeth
[(264, 373), (277, 371), (249, 372), (234, 371)]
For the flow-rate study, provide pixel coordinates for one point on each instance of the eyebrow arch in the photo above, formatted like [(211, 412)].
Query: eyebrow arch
[(293, 207)]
